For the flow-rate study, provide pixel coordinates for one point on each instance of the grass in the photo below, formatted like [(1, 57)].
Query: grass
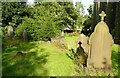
[(40, 60), (46, 59), (115, 59), (71, 40)]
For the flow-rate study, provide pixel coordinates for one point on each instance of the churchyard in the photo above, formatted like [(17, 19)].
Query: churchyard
[(58, 41), (47, 59)]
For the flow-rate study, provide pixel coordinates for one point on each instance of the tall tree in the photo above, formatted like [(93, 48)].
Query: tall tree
[(14, 13), (44, 19)]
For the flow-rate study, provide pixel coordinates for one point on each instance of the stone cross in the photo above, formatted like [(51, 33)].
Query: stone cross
[(102, 15)]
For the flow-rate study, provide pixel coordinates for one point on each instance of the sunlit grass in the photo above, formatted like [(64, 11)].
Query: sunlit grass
[(71, 40), (40, 60), (46, 59)]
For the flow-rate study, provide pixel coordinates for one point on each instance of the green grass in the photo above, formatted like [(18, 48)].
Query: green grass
[(115, 59), (47, 59), (71, 40), (40, 60)]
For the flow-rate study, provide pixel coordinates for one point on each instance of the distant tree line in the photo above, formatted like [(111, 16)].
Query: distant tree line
[(40, 21)]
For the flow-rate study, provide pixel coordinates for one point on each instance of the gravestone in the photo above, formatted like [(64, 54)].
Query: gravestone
[(24, 35), (62, 33), (81, 56), (83, 39), (10, 32), (100, 46)]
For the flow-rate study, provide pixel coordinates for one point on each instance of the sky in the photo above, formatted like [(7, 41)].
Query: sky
[(86, 3), (30, 1)]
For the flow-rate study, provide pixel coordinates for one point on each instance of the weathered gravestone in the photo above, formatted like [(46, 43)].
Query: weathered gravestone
[(84, 42), (100, 46), (10, 32), (62, 33), (80, 56), (24, 35)]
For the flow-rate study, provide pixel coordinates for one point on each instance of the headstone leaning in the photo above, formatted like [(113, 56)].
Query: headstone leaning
[(10, 32), (100, 46)]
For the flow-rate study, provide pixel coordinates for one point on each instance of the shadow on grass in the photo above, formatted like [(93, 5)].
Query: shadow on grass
[(25, 46), (31, 64)]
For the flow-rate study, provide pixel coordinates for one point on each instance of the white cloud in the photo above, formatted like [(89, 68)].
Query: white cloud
[(30, 1)]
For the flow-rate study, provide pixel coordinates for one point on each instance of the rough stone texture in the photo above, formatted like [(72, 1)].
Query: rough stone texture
[(100, 47)]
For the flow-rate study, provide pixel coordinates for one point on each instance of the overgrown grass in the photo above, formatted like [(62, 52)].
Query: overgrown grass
[(115, 59)]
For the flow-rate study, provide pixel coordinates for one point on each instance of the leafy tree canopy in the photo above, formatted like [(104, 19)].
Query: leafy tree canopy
[(44, 19)]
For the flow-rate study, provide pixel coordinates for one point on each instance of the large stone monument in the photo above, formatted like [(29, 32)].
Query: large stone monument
[(100, 44)]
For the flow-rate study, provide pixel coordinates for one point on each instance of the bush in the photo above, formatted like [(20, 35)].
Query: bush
[(37, 29)]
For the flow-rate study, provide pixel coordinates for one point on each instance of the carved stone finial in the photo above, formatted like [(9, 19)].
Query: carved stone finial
[(102, 15)]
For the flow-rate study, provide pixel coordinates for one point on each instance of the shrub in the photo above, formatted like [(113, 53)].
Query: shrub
[(36, 29)]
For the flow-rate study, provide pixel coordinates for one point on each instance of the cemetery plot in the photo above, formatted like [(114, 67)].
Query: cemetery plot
[(57, 39), (47, 59)]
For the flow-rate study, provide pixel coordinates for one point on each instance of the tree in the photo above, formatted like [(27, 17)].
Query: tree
[(88, 23), (44, 19), (14, 13)]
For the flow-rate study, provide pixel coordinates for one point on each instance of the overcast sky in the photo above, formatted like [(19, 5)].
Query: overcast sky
[(86, 3)]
